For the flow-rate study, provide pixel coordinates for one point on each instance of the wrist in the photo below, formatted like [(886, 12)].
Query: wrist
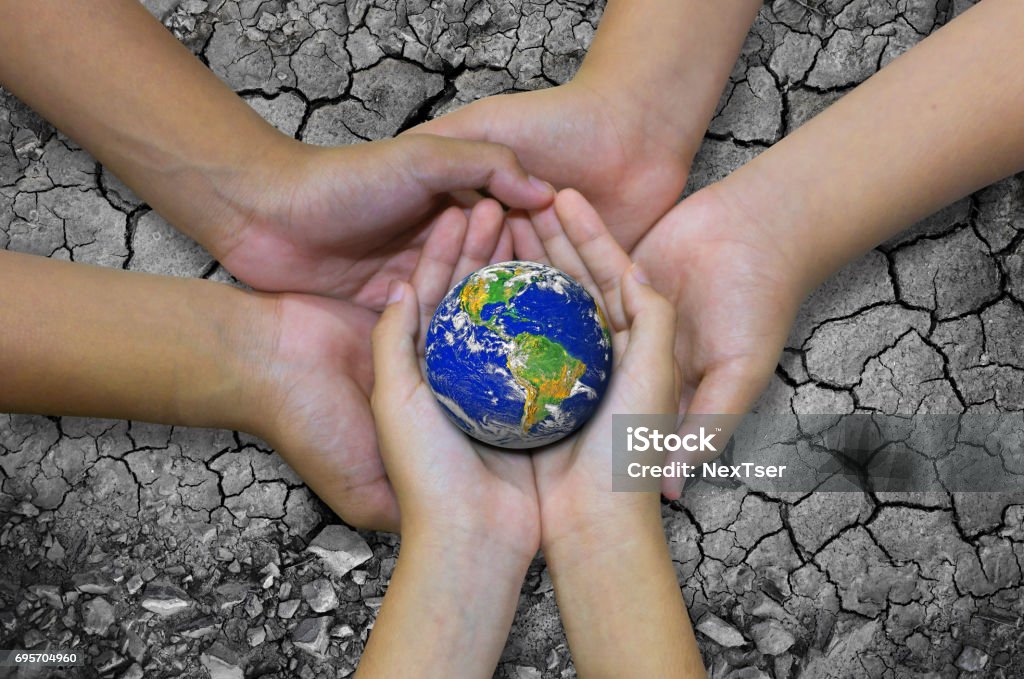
[(639, 113), (471, 540), (783, 216), (473, 556), (578, 527), (247, 190), (226, 388), (600, 544)]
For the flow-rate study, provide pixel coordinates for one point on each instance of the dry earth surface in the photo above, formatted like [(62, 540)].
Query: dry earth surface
[(165, 552)]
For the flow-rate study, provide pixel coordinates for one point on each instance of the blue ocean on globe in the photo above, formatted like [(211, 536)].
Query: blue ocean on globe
[(518, 354)]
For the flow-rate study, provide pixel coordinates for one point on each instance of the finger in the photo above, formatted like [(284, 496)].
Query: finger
[(439, 258), (504, 250), (443, 165), (725, 394), (649, 357), (600, 252), (395, 363), (485, 227), (526, 242), (560, 251), (466, 198)]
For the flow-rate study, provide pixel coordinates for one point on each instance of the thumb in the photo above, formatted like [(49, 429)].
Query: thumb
[(442, 165), (395, 362), (649, 357)]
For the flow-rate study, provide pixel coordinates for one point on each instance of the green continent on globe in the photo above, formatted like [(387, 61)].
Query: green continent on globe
[(545, 370), (541, 366)]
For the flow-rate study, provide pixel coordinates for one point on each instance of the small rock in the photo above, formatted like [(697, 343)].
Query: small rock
[(27, 509), (256, 636), (133, 672), (254, 607), (269, 572), (221, 662), (93, 582), (719, 631), (748, 673), (286, 609), (33, 638), (230, 594), (341, 549), (50, 594), (55, 553), (525, 672), (320, 595), (98, 616), (342, 631), (359, 577), (972, 659), (310, 635), (771, 638), (203, 627), (134, 584), (163, 598), (148, 573), (108, 661)]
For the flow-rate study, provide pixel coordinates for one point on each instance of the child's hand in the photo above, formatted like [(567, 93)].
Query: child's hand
[(345, 221), (448, 485), (614, 579), (736, 288), (315, 388), (574, 477)]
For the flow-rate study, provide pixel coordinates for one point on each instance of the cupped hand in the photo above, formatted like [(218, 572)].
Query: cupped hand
[(576, 135), (444, 480), (316, 383), (736, 291), (574, 477), (344, 221)]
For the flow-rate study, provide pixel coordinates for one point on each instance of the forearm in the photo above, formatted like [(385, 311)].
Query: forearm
[(938, 123), (623, 612), (113, 79), (447, 612), (670, 57), (82, 340)]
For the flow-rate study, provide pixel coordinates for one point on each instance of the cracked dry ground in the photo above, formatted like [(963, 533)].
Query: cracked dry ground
[(175, 552)]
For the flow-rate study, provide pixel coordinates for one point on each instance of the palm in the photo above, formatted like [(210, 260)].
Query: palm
[(435, 468), (323, 426), (577, 473), (464, 480), (573, 137), (734, 299)]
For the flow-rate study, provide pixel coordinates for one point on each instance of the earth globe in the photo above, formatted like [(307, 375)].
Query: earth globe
[(518, 354)]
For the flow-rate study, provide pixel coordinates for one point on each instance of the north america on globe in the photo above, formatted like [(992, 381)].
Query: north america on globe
[(518, 355)]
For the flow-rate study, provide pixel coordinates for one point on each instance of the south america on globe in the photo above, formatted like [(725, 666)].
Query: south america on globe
[(518, 355)]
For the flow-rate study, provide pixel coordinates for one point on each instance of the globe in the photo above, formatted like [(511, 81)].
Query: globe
[(518, 355)]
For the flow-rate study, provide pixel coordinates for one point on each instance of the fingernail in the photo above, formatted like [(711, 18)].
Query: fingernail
[(640, 275), (395, 291), (541, 185)]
